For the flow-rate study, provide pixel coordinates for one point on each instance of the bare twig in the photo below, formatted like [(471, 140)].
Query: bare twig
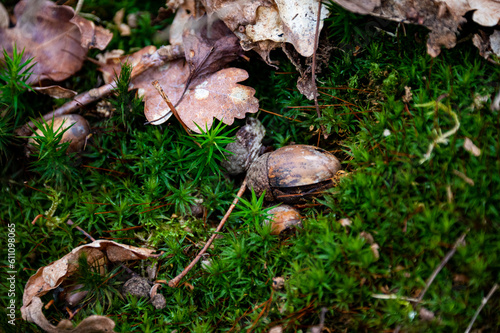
[(161, 56), (173, 283), (483, 303), (71, 223), (163, 95), (447, 257), (313, 74)]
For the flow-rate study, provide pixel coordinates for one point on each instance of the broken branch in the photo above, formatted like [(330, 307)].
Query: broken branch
[(483, 303), (447, 257)]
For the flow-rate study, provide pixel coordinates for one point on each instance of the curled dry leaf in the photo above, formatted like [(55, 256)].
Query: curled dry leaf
[(56, 91), (488, 45), (442, 17), (92, 324), (54, 36), (51, 276), (262, 25)]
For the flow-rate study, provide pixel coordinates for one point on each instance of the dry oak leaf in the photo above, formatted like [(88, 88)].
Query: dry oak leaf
[(52, 275), (209, 45), (442, 17), (215, 95), (262, 25), (91, 324), (54, 36)]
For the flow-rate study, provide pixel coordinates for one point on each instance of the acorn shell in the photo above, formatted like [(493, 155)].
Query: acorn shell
[(76, 135), (293, 173), (284, 218), (300, 165)]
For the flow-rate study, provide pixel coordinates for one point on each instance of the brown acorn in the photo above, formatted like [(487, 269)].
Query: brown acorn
[(293, 173), (284, 218), (76, 135)]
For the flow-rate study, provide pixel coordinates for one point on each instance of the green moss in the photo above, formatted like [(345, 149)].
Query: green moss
[(133, 175)]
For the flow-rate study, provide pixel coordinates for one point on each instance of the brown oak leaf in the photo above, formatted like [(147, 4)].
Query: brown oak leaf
[(54, 36), (263, 25), (443, 18), (198, 88), (215, 95)]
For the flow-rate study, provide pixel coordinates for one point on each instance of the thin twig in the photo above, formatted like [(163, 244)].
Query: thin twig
[(163, 95), (161, 56), (447, 257), (313, 74), (173, 283), (71, 223), (483, 303)]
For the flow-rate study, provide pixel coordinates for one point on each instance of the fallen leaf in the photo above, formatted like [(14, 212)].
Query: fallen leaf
[(176, 29), (51, 276), (93, 37), (118, 21), (92, 324), (216, 95), (374, 247), (367, 237), (55, 37), (426, 315), (443, 18), (199, 88), (471, 147), (4, 17), (263, 25), (209, 45), (56, 91), (113, 61), (495, 104)]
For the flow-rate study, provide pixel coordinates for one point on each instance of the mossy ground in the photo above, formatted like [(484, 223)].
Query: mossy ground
[(133, 175)]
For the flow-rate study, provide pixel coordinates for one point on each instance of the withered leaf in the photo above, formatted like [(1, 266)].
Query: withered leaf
[(92, 324), (263, 25), (212, 95), (56, 91), (54, 36), (52, 275), (216, 95), (443, 18), (209, 45)]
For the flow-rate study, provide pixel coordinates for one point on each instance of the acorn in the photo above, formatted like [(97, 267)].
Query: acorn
[(293, 173), (76, 135), (284, 218)]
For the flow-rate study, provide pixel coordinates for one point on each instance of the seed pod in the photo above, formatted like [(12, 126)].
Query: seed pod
[(76, 135), (284, 218), (292, 173)]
